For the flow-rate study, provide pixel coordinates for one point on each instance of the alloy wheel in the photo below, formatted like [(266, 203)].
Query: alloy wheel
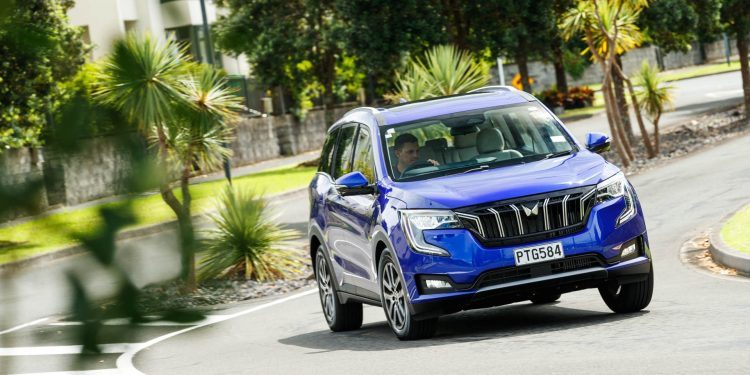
[(394, 297), (325, 289)]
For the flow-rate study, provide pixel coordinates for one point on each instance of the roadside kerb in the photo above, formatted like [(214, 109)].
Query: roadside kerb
[(726, 255), (124, 235)]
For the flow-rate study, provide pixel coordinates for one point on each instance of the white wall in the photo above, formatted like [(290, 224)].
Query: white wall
[(104, 21)]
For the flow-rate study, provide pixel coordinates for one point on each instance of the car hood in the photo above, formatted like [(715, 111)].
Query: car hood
[(580, 169)]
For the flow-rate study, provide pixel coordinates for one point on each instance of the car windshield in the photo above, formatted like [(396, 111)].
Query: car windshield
[(471, 141)]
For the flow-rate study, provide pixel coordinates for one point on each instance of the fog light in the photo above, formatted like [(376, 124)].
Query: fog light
[(628, 251), (437, 284)]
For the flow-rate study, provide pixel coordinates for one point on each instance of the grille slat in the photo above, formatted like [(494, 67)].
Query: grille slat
[(532, 218)]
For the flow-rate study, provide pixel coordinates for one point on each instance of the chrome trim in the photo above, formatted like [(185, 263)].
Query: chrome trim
[(592, 270), (472, 217), (518, 218), (565, 210), (546, 214), (499, 222), (583, 199)]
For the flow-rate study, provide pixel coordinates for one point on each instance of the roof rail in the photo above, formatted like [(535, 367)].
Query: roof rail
[(370, 109), (494, 88)]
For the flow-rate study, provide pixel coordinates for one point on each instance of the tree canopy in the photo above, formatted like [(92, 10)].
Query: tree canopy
[(38, 51)]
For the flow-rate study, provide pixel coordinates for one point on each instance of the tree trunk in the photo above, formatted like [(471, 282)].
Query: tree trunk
[(523, 69), (187, 234), (622, 103), (624, 141), (656, 133), (560, 79), (742, 49), (610, 110), (638, 115)]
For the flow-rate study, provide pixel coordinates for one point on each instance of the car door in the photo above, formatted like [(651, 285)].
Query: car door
[(351, 217)]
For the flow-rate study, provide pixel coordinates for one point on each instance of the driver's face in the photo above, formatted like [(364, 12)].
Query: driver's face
[(408, 154)]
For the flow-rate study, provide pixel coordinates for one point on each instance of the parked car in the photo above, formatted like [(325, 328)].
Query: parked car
[(469, 201)]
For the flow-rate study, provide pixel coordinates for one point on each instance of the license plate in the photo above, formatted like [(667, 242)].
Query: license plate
[(540, 253)]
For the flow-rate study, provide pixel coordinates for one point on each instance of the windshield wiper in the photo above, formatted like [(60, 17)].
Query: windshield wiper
[(479, 168), (557, 154)]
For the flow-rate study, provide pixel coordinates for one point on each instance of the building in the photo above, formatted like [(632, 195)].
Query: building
[(105, 21)]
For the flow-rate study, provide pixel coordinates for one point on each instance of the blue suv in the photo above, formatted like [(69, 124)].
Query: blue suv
[(469, 201)]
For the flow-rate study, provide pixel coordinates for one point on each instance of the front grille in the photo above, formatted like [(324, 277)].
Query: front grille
[(517, 273), (531, 218)]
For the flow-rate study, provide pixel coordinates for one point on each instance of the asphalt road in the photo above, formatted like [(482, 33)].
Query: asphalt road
[(691, 97), (696, 323)]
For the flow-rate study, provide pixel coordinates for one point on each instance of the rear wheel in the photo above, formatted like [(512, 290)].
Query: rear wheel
[(629, 297), (339, 316), (393, 295), (545, 297)]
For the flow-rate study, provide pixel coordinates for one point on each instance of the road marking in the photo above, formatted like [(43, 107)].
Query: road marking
[(718, 94), (113, 371), (22, 326), (125, 361), (155, 323), (63, 350)]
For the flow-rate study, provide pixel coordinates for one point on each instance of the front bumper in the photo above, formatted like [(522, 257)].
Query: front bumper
[(430, 305)]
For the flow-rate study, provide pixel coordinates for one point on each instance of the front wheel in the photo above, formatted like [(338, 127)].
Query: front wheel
[(339, 316), (393, 297), (629, 297)]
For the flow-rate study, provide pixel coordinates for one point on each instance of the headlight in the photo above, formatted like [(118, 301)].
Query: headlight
[(414, 222), (615, 187)]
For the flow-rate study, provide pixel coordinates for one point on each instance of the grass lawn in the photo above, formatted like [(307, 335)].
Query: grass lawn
[(736, 231), (54, 231), (689, 72)]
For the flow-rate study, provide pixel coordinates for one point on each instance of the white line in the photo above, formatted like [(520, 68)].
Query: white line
[(156, 323), (125, 361), (113, 371), (62, 350), (22, 326)]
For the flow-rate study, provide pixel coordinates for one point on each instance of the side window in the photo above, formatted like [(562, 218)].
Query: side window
[(327, 153), (363, 158), (342, 163)]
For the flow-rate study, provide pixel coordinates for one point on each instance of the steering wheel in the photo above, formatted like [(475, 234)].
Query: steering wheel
[(417, 165)]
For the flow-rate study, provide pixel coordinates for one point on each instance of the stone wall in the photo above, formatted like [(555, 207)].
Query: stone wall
[(17, 169), (544, 73), (98, 170)]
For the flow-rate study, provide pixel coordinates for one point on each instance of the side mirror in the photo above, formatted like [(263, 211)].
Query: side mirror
[(598, 142), (354, 183)]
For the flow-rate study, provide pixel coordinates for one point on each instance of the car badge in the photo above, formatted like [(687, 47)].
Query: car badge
[(531, 211)]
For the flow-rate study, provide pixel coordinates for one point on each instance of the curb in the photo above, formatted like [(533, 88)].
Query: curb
[(725, 255), (124, 235)]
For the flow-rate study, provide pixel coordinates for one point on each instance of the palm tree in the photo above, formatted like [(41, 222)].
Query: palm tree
[(654, 97), (181, 107), (609, 29), (443, 70)]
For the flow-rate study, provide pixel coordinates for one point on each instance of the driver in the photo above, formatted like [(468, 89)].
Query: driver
[(406, 149)]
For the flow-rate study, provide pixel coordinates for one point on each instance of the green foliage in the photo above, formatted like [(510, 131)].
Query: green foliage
[(38, 50), (443, 70), (736, 16), (294, 44), (141, 79), (247, 241), (654, 95), (574, 63), (77, 104), (380, 33), (670, 24)]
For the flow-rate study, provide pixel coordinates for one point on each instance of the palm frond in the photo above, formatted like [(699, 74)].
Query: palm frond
[(654, 95), (248, 241)]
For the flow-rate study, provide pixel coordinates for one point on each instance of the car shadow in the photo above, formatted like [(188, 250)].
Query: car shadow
[(468, 326)]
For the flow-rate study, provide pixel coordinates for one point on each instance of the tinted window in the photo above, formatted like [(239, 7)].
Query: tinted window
[(343, 157), (363, 159), (327, 153)]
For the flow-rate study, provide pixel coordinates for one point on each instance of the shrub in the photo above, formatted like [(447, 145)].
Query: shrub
[(247, 241), (577, 97)]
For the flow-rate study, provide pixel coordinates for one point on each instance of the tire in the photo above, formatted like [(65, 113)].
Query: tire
[(629, 298), (339, 316), (545, 297), (395, 305)]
